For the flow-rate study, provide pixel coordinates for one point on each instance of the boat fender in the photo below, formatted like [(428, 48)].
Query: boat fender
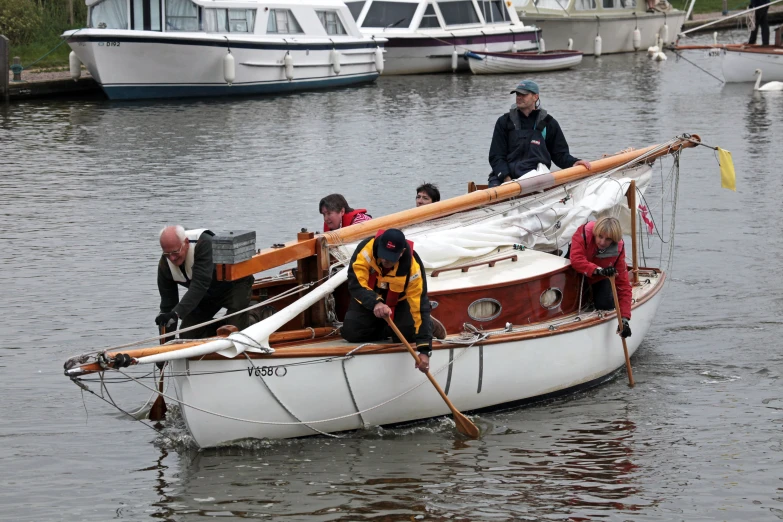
[(570, 44), (514, 47), (597, 51), (665, 34), (637, 39), (454, 58), (229, 71), (288, 62), (75, 65), (379, 60), (715, 38), (334, 57), (541, 46)]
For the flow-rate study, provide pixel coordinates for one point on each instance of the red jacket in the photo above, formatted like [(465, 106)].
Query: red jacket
[(584, 259), (355, 216)]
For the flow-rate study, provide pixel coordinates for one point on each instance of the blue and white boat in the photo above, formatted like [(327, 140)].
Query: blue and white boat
[(138, 49)]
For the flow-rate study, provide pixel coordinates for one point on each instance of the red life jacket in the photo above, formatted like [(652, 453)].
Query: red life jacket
[(391, 297), (348, 217)]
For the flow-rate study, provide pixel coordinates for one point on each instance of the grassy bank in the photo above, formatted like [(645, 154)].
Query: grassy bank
[(711, 6), (53, 18)]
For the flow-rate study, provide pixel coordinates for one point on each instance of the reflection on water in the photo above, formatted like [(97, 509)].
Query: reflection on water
[(87, 185), (585, 467)]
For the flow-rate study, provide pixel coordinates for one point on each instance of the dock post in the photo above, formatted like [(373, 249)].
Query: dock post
[(5, 66)]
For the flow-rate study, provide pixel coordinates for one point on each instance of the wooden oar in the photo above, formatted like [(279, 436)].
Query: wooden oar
[(620, 323), (159, 408), (464, 425)]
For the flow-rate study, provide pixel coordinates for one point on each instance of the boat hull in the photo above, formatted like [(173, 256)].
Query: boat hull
[(504, 369), (616, 30), (503, 63), (740, 65), (424, 54), (138, 66)]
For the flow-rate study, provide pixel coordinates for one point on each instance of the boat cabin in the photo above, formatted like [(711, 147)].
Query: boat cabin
[(412, 15), (290, 19), (581, 7)]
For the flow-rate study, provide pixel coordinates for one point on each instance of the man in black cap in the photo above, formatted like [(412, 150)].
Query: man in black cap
[(525, 137), (386, 279)]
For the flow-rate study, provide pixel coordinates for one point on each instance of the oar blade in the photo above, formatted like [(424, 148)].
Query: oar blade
[(465, 426)]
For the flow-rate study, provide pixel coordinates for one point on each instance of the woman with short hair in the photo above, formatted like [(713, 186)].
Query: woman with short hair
[(427, 193), (598, 252)]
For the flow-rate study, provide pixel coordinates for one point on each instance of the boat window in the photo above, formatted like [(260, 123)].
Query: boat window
[(146, 15), (429, 19), (551, 298), (484, 309), (355, 8), (458, 13), (282, 21), (494, 11), (182, 15), (229, 20), (109, 14), (389, 14), (331, 22), (553, 4), (584, 5)]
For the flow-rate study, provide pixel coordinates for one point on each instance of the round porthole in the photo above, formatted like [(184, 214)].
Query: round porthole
[(433, 304), (551, 298), (484, 309)]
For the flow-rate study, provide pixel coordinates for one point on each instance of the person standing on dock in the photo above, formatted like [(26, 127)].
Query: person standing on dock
[(338, 214), (525, 137), (761, 21), (597, 251), (187, 261), (386, 279)]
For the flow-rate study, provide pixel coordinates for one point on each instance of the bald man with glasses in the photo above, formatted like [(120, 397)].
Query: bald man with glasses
[(527, 137), (187, 262)]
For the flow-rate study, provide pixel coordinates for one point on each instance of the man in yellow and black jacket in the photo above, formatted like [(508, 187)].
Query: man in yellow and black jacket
[(386, 278)]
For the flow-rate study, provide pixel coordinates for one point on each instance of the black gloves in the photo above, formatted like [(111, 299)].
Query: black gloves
[(626, 329), (167, 319), (609, 271)]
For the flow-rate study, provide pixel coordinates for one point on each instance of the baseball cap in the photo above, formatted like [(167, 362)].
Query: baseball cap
[(526, 86), (391, 244)]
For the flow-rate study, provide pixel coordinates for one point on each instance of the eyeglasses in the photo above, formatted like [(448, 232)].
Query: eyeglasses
[(174, 252)]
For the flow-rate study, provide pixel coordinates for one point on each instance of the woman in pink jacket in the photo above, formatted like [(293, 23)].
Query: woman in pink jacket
[(598, 252)]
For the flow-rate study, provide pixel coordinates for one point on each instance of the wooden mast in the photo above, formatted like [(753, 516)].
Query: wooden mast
[(302, 248), (631, 194)]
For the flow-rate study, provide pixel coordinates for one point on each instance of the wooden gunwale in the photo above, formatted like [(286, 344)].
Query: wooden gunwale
[(296, 351)]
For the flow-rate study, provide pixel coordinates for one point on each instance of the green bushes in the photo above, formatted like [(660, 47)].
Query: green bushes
[(34, 28), (20, 20)]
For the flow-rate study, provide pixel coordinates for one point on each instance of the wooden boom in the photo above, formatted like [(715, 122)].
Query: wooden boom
[(303, 248)]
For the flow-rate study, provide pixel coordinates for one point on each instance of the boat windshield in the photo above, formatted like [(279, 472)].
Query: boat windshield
[(460, 12), (552, 4), (355, 8), (494, 11), (109, 14), (390, 14)]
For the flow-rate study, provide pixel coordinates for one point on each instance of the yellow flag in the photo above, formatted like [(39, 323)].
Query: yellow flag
[(728, 179)]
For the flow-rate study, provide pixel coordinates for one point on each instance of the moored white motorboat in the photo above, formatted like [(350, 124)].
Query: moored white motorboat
[(429, 36), (739, 64), (505, 63), (601, 27), (520, 326), (176, 48)]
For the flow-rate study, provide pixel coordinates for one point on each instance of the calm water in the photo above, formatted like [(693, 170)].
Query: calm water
[(87, 184)]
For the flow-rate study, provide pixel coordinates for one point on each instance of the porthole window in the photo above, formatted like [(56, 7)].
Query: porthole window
[(433, 304), (484, 309), (551, 298)]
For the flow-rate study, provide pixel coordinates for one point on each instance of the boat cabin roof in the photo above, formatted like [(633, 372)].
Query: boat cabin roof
[(405, 16), (529, 264), (281, 18)]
